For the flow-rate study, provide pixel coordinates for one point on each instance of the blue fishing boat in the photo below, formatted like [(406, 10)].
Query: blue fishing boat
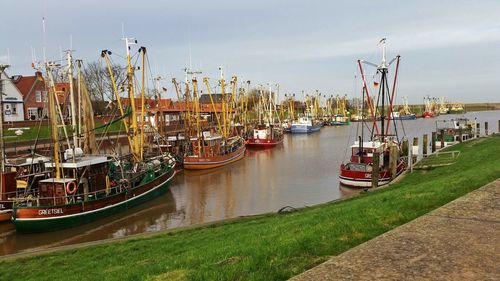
[(305, 125)]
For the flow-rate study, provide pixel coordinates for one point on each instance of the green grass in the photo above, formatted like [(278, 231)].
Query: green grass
[(269, 247), (32, 132)]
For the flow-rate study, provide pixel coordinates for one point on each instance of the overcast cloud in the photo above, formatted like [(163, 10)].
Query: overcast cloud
[(448, 48)]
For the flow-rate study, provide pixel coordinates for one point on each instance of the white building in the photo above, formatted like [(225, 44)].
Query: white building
[(13, 109)]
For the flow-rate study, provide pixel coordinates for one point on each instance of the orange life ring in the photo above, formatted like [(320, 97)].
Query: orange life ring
[(70, 190)]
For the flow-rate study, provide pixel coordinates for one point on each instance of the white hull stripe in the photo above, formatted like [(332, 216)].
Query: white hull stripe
[(361, 183), (100, 209)]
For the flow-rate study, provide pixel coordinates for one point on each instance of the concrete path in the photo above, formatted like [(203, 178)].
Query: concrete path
[(459, 241)]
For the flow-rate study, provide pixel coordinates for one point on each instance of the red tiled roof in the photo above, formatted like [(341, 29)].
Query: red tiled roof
[(24, 84)]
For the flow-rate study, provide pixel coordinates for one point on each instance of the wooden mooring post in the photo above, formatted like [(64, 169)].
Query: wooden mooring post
[(414, 153), (460, 135), (478, 130), (433, 142), (498, 126), (375, 169), (486, 128), (404, 148), (442, 138), (424, 145), (393, 161), (410, 158)]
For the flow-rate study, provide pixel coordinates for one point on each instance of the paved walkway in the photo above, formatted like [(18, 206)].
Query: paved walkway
[(459, 241)]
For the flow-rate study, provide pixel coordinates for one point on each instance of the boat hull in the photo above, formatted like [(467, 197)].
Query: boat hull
[(203, 163), (304, 129), (256, 143), (364, 178), (50, 218), (5, 211), (428, 114), (405, 117)]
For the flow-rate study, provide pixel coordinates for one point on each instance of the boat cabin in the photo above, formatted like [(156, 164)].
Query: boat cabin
[(210, 145), (366, 154), (82, 179)]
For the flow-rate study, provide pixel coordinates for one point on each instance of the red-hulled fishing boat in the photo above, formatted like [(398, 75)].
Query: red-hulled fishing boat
[(359, 170), (266, 136)]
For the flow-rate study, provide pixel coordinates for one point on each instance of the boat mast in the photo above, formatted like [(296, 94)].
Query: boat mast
[(80, 103), (142, 50), (197, 112), (72, 101), (105, 54), (53, 121), (270, 114), (2, 148), (224, 104), (136, 150)]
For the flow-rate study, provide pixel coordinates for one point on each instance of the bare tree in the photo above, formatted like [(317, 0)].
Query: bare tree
[(99, 83)]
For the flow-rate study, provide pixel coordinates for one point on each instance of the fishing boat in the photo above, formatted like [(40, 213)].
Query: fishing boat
[(452, 131), (209, 149), (340, 120), (404, 112), (341, 116), (429, 108), (213, 151), (8, 193), (398, 116), (21, 174), (265, 136), (83, 187), (443, 106), (457, 108), (358, 171), (268, 132), (304, 125)]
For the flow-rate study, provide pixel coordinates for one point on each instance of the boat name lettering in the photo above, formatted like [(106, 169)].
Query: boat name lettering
[(2, 206), (50, 211)]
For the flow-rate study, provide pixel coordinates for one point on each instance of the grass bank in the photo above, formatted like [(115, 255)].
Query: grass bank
[(43, 132), (269, 247)]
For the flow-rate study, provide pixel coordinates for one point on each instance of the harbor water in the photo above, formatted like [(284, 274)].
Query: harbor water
[(301, 172)]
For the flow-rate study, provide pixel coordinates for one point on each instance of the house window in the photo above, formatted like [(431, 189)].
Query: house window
[(14, 109), (44, 96), (32, 113), (38, 96)]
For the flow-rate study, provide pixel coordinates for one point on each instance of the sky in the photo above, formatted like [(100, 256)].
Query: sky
[(448, 48)]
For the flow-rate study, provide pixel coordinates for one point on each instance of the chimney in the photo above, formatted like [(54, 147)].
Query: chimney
[(39, 76)]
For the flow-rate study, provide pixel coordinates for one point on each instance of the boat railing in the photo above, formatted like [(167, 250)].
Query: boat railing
[(34, 201)]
